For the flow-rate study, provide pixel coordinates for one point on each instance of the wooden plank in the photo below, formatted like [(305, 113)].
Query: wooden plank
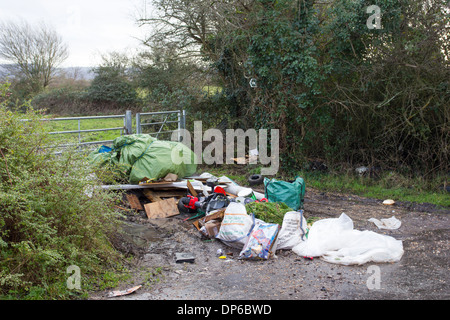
[(215, 216), (161, 209), (196, 224), (134, 202), (122, 208), (153, 197), (191, 189), (170, 193)]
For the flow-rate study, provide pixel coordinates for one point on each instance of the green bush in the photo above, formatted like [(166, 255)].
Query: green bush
[(51, 214), (337, 90), (112, 84)]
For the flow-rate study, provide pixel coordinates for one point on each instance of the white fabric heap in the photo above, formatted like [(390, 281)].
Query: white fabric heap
[(336, 241)]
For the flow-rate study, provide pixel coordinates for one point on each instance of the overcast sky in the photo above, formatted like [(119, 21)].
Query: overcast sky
[(89, 27)]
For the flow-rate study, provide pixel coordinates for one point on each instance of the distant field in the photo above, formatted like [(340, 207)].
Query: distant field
[(88, 124)]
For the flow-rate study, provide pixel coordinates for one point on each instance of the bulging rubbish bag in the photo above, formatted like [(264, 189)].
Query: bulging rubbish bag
[(336, 241), (291, 193), (141, 156), (236, 225), (293, 230)]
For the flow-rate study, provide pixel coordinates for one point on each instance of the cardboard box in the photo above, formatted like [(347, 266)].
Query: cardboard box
[(218, 215), (212, 228)]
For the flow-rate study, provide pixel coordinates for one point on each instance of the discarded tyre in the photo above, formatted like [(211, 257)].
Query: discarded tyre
[(255, 179)]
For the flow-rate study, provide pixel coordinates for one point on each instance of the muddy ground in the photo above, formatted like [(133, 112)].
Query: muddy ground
[(422, 273)]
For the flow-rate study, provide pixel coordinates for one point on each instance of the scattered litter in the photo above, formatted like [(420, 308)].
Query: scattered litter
[(389, 202), (255, 179), (258, 224), (211, 228), (234, 189), (391, 224), (251, 158), (362, 170), (170, 177), (123, 292), (254, 152), (182, 257)]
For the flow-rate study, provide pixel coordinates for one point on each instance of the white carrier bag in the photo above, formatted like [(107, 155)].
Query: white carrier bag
[(236, 225), (293, 230)]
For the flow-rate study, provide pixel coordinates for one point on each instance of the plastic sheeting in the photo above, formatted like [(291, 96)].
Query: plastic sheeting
[(391, 224), (336, 241)]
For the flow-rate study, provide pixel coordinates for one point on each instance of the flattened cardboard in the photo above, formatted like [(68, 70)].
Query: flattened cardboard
[(212, 228), (161, 209)]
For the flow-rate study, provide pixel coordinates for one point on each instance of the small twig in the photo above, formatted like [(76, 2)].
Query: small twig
[(7, 170)]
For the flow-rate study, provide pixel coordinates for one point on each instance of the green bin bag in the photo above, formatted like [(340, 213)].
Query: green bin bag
[(291, 193)]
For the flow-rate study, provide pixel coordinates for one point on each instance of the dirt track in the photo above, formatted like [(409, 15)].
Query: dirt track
[(422, 273)]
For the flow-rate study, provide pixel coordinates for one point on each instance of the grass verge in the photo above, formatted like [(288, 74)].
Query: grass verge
[(389, 185)]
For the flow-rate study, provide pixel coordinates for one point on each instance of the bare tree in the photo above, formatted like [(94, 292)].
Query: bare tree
[(188, 25), (33, 52)]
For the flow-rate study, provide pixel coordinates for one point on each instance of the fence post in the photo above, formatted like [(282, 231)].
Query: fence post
[(179, 126), (183, 124), (138, 123), (128, 122)]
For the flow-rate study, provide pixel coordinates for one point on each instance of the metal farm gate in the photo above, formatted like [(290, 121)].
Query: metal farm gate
[(155, 123)]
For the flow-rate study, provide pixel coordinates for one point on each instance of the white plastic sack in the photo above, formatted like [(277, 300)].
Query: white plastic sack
[(292, 231), (391, 224), (336, 241), (236, 225)]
